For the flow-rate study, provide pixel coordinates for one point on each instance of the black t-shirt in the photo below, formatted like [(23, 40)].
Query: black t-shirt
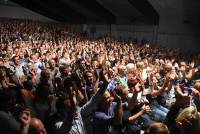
[(8, 124)]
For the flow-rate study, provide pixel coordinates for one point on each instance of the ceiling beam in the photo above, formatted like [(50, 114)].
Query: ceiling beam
[(53, 9), (143, 6)]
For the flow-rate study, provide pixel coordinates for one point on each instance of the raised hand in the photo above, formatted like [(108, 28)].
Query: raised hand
[(26, 117), (146, 108)]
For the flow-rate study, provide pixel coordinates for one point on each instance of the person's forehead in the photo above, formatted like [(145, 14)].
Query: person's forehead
[(106, 94), (52, 61), (121, 67), (89, 74), (154, 78), (157, 74)]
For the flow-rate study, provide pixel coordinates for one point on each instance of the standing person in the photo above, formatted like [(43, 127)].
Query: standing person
[(70, 118), (59, 80), (10, 125), (53, 70), (108, 116), (90, 83), (122, 75), (183, 118), (18, 68)]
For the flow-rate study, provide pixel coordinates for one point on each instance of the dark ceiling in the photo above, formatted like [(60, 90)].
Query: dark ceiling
[(93, 11)]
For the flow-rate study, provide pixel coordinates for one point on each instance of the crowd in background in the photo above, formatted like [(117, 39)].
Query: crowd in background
[(56, 81)]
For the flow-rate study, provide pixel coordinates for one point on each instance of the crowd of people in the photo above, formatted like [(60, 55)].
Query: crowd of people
[(56, 81)]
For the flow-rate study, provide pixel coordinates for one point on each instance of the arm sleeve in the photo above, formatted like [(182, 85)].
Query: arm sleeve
[(102, 117), (8, 122), (171, 115), (92, 104)]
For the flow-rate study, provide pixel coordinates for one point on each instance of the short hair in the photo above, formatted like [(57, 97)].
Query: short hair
[(140, 64), (13, 58), (197, 86), (157, 128), (8, 71)]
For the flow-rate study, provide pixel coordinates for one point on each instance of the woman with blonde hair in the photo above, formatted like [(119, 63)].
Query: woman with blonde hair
[(188, 121)]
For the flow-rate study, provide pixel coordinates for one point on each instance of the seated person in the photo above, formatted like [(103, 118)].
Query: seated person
[(157, 128)]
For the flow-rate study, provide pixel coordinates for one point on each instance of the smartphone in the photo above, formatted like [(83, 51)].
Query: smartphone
[(187, 90)]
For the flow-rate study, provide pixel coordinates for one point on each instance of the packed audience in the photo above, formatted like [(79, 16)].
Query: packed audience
[(56, 81)]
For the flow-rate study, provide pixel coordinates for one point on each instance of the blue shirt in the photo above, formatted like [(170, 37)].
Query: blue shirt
[(103, 121)]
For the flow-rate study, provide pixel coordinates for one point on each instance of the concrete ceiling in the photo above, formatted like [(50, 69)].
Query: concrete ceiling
[(94, 11), (109, 11), (186, 7)]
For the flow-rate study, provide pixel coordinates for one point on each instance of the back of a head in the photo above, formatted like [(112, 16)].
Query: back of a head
[(140, 64), (197, 86), (157, 128), (7, 99), (36, 127), (188, 121)]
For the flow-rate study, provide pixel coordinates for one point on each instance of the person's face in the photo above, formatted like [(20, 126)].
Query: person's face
[(154, 80), (157, 75), (65, 71), (9, 50), (34, 58), (2, 72), (21, 55), (107, 100), (22, 50), (52, 63), (182, 68), (16, 60), (122, 70), (90, 77), (94, 64), (82, 65), (5, 60)]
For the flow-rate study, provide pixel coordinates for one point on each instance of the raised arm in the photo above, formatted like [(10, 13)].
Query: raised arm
[(118, 111), (91, 105)]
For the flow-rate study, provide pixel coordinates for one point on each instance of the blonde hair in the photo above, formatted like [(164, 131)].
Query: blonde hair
[(190, 120), (140, 64)]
